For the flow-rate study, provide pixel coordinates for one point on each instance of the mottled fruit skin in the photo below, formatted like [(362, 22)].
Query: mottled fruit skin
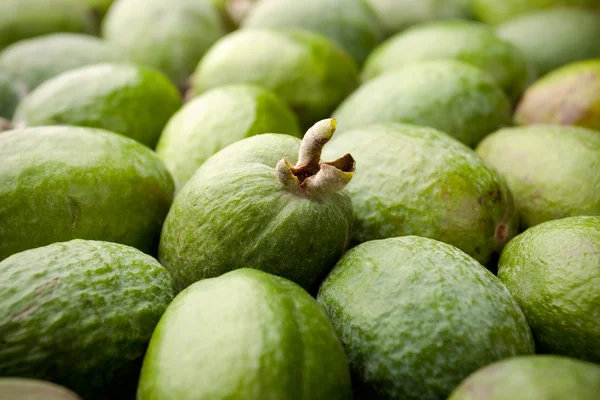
[(567, 96), (349, 23), (556, 37), (448, 95), (417, 316), (553, 271), (307, 70), (495, 12), (9, 95), (471, 42), (560, 181), (63, 183), (414, 180), (23, 19), (397, 15), (79, 313), (33, 61), (218, 118), (246, 335), (532, 378), (234, 213), (171, 36), (131, 100), (33, 389)]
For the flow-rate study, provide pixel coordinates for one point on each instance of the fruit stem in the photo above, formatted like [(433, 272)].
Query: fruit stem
[(310, 175)]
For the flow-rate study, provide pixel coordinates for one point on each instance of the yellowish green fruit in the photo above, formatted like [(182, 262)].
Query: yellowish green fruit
[(216, 119), (552, 171), (497, 11), (568, 96), (553, 271)]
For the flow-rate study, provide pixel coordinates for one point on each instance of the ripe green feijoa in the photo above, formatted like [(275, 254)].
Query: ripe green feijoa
[(265, 202)]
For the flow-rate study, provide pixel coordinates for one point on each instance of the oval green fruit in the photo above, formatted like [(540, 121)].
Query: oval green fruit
[(417, 316), (131, 100), (22, 19), (244, 335), (533, 378), (471, 42), (448, 95), (171, 36), (33, 61), (349, 23), (497, 11), (79, 313), (33, 389), (216, 119), (553, 271), (397, 15), (248, 206), (556, 37), (418, 181), (10, 95), (568, 96), (307, 70), (62, 183), (552, 171)]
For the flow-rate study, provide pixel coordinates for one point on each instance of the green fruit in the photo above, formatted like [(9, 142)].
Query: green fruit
[(166, 35), (216, 119), (22, 19), (10, 95), (418, 181), (532, 378), (417, 316), (448, 95), (556, 37), (32, 389), (248, 206), (553, 271), (308, 71), (497, 11), (470, 42), (62, 183), (36, 60), (245, 335), (349, 23), (559, 181), (134, 101), (397, 15), (567, 96), (79, 313)]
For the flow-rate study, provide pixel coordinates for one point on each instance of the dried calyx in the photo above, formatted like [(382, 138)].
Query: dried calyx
[(310, 175)]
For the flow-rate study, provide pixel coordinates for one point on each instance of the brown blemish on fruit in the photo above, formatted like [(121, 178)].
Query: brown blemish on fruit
[(501, 233), (40, 290), (74, 212), (24, 312), (5, 125)]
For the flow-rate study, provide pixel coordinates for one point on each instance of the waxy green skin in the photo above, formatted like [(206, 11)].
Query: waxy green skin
[(495, 12), (185, 30), (33, 61), (23, 19), (234, 213), (397, 15), (246, 335), (33, 389), (414, 180), (49, 192), (538, 377), (79, 313), (448, 95), (9, 95), (560, 181), (553, 271), (307, 70), (349, 23), (471, 42), (218, 118), (567, 96), (134, 101), (556, 37), (417, 316)]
